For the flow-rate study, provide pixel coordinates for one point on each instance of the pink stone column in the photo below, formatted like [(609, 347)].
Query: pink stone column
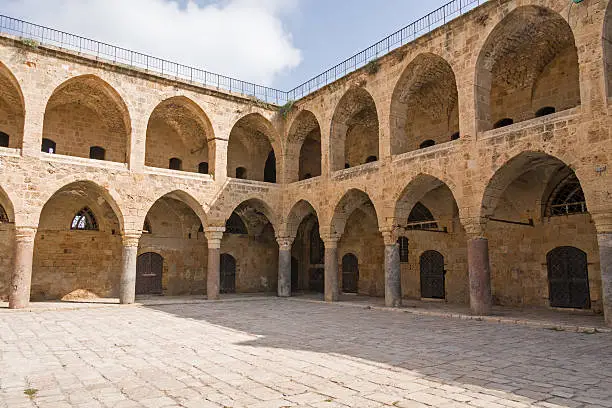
[(284, 266), (480, 276), (127, 288), (214, 235), (331, 269), (604, 239), (21, 278)]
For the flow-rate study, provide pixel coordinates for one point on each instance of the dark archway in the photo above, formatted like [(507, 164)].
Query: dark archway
[(303, 153), (270, 168), (12, 109)]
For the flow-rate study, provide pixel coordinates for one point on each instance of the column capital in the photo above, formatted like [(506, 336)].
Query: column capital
[(474, 227), (330, 240), (284, 243), (389, 236), (214, 235), (25, 234), (131, 239)]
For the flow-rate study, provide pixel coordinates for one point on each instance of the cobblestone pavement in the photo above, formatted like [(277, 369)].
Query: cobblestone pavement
[(276, 353)]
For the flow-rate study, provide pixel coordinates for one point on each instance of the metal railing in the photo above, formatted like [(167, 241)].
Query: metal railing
[(49, 36)]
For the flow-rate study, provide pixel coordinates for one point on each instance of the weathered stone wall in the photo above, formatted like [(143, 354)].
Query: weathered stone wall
[(256, 261), (7, 242)]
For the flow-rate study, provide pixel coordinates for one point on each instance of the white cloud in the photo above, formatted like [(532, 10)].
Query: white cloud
[(244, 39)]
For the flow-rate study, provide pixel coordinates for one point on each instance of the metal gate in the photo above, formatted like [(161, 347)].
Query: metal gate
[(228, 274), (350, 273), (149, 268), (432, 275), (568, 278)]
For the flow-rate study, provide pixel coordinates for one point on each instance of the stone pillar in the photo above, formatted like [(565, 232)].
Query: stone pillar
[(284, 266), (480, 276), (331, 269), (604, 239), (127, 289), (393, 286), (214, 235), (21, 278), (217, 153)]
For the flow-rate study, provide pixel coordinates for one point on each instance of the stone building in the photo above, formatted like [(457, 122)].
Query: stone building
[(470, 165)]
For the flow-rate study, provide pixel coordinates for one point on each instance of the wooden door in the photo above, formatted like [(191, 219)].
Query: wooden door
[(568, 278), (432, 275), (350, 273), (149, 268), (228, 274)]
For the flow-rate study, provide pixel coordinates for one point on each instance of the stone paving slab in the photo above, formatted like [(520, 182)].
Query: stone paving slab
[(274, 353)]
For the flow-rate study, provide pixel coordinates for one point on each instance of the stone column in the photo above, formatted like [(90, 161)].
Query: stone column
[(127, 289), (217, 153), (284, 266), (480, 276), (214, 235), (393, 286), (604, 239), (21, 278), (331, 269)]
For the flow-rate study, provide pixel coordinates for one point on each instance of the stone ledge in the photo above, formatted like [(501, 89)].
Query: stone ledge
[(82, 161), (353, 172), (10, 152), (442, 147), (158, 171)]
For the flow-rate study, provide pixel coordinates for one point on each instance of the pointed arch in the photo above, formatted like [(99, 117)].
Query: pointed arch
[(179, 128), (424, 104), (348, 203), (299, 211), (252, 140), (7, 206), (303, 152), (529, 60), (12, 108), (415, 191), (354, 130), (87, 111)]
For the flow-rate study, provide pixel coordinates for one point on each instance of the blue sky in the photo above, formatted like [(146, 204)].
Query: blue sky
[(280, 43)]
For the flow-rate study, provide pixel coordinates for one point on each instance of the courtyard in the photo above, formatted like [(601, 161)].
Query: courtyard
[(270, 352)]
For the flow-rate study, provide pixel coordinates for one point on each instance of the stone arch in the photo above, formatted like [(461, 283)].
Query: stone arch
[(7, 242), (7, 204), (607, 46), (424, 104), (346, 205), (255, 208), (251, 141), (185, 198), (179, 128), (12, 107), (354, 130), (87, 111), (299, 211), (75, 263), (303, 152), (528, 61)]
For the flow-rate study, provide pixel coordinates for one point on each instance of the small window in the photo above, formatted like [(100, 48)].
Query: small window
[(547, 110), (84, 220), (146, 228), (175, 164), (48, 146), (97, 153), (455, 136), (503, 123), (371, 159), (403, 249), (201, 229), (4, 140), (427, 143), (235, 225), (567, 198), (347, 166), (3, 216), (203, 168), (241, 173)]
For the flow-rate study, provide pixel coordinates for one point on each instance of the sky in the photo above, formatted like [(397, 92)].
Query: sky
[(279, 43)]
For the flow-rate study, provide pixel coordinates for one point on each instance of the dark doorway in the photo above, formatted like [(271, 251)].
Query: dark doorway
[(48, 146), (4, 140), (97, 153), (295, 274), (149, 268), (270, 169), (350, 273), (316, 280), (203, 168), (228, 274), (568, 278), (432, 275)]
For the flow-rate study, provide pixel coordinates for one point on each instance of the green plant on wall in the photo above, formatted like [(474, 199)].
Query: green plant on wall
[(286, 108), (372, 67), (28, 42)]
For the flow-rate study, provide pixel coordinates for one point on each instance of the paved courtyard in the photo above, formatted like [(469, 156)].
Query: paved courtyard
[(276, 353)]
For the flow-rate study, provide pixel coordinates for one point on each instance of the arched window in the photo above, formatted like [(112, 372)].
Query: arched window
[(567, 198), (241, 173), (421, 218), (146, 228), (3, 216), (547, 110), (201, 229), (48, 146), (317, 247), (4, 140), (427, 143), (235, 225), (270, 169), (84, 220), (203, 168), (503, 123), (403, 249), (97, 153), (371, 159), (455, 136), (175, 164)]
